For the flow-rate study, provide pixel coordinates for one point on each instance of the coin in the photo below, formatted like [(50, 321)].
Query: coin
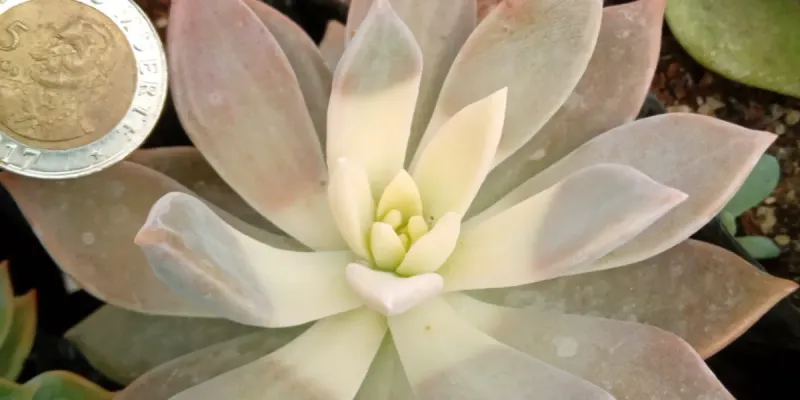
[(82, 84)]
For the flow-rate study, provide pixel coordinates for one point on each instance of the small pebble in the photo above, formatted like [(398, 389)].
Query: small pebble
[(776, 111), (769, 200), (715, 103), (706, 109), (782, 240), (681, 108), (780, 129), (792, 117), (766, 218)]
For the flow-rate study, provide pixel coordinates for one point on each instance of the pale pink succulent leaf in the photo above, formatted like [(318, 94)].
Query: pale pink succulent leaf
[(629, 360), (88, 225), (309, 367), (386, 379), (574, 222), (538, 49), (240, 102), (180, 374), (445, 357), (234, 276), (701, 292), (609, 94), (440, 27), (313, 74), (450, 170), (485, 6), (186, 165), (332, 45), (124, 345), (706, 158), (375, 88)]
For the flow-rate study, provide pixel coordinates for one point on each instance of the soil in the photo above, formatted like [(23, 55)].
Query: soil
[(683, 85)]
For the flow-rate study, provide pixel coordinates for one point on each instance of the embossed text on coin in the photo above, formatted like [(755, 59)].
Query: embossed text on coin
[(82, 82)]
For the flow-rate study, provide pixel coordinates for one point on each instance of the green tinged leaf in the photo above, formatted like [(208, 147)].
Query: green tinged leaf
[(759, 247), (19, 341), (753, 42), (6, 302), (62, 385), (757, 187), (14, 391)]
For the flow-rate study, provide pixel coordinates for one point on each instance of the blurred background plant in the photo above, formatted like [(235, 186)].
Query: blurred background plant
[(758, 186), (753, 42), (17, 332)]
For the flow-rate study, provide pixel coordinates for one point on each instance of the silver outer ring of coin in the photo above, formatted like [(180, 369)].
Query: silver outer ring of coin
[(133, 128)]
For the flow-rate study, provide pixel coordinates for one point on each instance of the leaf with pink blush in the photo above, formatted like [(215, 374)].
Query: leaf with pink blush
[(704, 157), (313, 74), (180, 374), (187, 166), (332, 44), (538, 49), (701, 292), (88, 225), (203, 258), (124, 345), (609, 94), (240, 102), (629, 360), (440, 27), (375, 88)]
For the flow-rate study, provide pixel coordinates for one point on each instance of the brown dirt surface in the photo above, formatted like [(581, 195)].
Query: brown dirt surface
[(685, 86)]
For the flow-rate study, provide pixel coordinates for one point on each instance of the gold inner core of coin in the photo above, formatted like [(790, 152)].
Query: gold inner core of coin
[(67, 74)]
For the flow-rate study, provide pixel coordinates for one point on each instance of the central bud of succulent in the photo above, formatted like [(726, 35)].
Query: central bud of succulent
[(400, 246), (399, 224)]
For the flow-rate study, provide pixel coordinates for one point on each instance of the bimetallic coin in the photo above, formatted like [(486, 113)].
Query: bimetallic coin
[(82, 84)]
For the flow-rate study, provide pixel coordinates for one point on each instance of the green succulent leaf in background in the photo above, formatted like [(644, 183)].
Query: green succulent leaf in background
[(19, 325), (755, 42), (62, 385), (17, 332), (758, 186), (759, 247)]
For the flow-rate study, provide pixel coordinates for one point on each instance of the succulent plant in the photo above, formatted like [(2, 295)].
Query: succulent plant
[(757, 187), (490, 225), (17, 332)]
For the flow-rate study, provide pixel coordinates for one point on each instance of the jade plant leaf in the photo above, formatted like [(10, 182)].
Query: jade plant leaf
[(759, 247), (753, 42), (14, 391), (757, 187), (62, 385), (19, 341)]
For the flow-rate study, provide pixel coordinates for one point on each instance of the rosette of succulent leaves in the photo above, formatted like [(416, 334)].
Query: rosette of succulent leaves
[(17, 333), (457, 204)]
